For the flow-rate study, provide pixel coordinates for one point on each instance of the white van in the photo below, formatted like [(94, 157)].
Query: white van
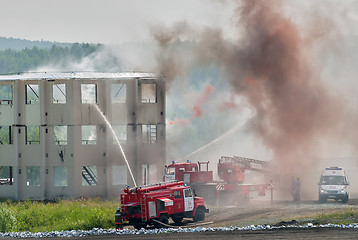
[(333, 184)]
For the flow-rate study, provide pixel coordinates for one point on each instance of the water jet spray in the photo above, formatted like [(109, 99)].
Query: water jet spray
[(117, 141)]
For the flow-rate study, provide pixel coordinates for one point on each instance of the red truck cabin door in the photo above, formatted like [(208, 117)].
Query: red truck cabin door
[(188, 200)]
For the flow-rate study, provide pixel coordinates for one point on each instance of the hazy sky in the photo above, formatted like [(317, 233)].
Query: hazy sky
[(104, 21), (116, 21)]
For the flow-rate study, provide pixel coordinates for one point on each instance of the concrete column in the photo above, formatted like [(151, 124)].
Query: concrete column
[(162, 124), (19, 102), (45, 97)]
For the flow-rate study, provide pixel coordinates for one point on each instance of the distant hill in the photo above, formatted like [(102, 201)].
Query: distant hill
[(19, 44), (30, 58)]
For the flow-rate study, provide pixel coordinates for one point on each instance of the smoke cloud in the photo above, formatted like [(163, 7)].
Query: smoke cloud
[(270, 66)]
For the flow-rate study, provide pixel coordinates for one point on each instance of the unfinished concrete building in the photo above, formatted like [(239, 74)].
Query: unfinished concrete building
[(55, 142)]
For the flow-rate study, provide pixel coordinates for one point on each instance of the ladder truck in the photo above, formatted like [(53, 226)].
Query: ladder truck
[(231, 188), (153, 205)]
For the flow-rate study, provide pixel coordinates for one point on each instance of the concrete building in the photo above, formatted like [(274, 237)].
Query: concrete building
[(54, 140)]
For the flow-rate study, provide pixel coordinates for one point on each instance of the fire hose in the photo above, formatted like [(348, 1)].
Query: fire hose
[(186, 226)]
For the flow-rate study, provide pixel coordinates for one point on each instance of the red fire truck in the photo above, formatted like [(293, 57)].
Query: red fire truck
[(231, 189), (155, 204)]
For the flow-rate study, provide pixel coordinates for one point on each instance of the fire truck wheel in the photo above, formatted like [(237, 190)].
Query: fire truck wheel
[(162, 218), (177, 219), (199, 215), (139, 226)]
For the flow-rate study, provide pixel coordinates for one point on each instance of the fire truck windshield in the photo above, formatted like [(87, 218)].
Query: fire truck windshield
[(170, 171), (177, 194)]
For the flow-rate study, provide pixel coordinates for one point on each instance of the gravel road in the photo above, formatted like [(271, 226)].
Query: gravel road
[(309, 233)]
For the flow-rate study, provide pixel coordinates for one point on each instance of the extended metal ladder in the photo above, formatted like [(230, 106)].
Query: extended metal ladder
[(245, 162)]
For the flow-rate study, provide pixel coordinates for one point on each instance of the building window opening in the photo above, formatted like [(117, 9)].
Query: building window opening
[(32, 135), (149, 93), (89, 175), (60, 176), (121, 133), (32, 94), (119, 175), (89, 136), (6, 95), (88, 93), (59, 93), (6, 175), (33, 176), (60, 135), (119, 93), (5, 135), (149, 133)]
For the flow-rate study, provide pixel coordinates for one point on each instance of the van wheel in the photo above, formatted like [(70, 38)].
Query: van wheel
[(345, 199), (322, 199), (163, 218), (199, 215)]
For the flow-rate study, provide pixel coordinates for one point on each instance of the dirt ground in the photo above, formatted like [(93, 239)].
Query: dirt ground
[(264, 212)]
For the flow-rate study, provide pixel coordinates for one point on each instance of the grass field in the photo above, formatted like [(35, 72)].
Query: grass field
[(345, 216), (36, 216)]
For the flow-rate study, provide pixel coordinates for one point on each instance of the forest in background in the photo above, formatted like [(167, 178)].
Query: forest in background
[(19, 44), (17, 55)]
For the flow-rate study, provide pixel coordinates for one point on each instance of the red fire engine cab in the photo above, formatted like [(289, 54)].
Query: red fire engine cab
[(231, 188), (155, 204)]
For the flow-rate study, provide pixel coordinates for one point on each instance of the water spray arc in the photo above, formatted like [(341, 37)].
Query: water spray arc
[(232, 130), (117, 141)]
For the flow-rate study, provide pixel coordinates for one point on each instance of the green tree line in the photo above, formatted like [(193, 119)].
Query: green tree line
[(16, 61), (18, 44)]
